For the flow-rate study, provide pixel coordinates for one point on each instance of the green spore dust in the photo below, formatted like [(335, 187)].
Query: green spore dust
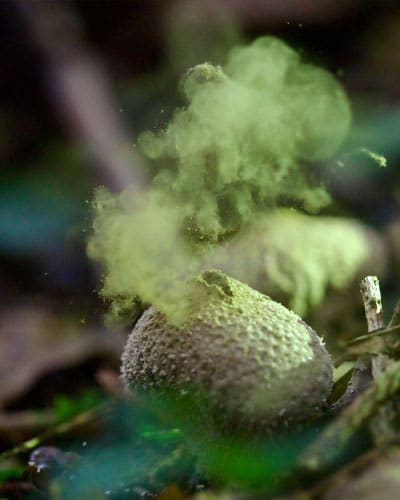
[(379, 159), (297, 257), (142, 250), (242, 146), (247, 136)]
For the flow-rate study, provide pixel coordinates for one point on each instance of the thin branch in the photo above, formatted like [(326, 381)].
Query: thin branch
[(371, 295), (80, 420), (395, 320)]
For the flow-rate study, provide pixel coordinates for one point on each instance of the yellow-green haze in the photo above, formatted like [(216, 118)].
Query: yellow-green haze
[(246, 135), (244, 144), (138, 241)]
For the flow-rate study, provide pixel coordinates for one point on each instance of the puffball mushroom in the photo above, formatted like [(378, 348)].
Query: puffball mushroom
[(254, 365)]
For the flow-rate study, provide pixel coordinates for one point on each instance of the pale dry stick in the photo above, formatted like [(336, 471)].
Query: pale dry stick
[(367, 395), (395, 320), (371, 295), (367, 367)]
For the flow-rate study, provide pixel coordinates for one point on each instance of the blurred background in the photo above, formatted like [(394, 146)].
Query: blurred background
[(79, 81)]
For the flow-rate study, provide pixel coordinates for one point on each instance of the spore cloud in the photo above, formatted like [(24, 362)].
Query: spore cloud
[(138, 241), (247, 136), (243, 144)]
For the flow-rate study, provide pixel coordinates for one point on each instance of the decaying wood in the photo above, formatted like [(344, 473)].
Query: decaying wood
[(371, 295)]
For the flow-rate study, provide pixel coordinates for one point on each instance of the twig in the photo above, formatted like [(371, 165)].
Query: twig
[(395, 320), (375, 333), (62, 428), (367, 366), (371, 402), (371, 295)]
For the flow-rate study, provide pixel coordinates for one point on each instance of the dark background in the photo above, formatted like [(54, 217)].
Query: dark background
[(142, 48), (80, 80)]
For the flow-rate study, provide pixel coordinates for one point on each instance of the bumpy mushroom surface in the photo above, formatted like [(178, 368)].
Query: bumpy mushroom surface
[(257, 363)]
